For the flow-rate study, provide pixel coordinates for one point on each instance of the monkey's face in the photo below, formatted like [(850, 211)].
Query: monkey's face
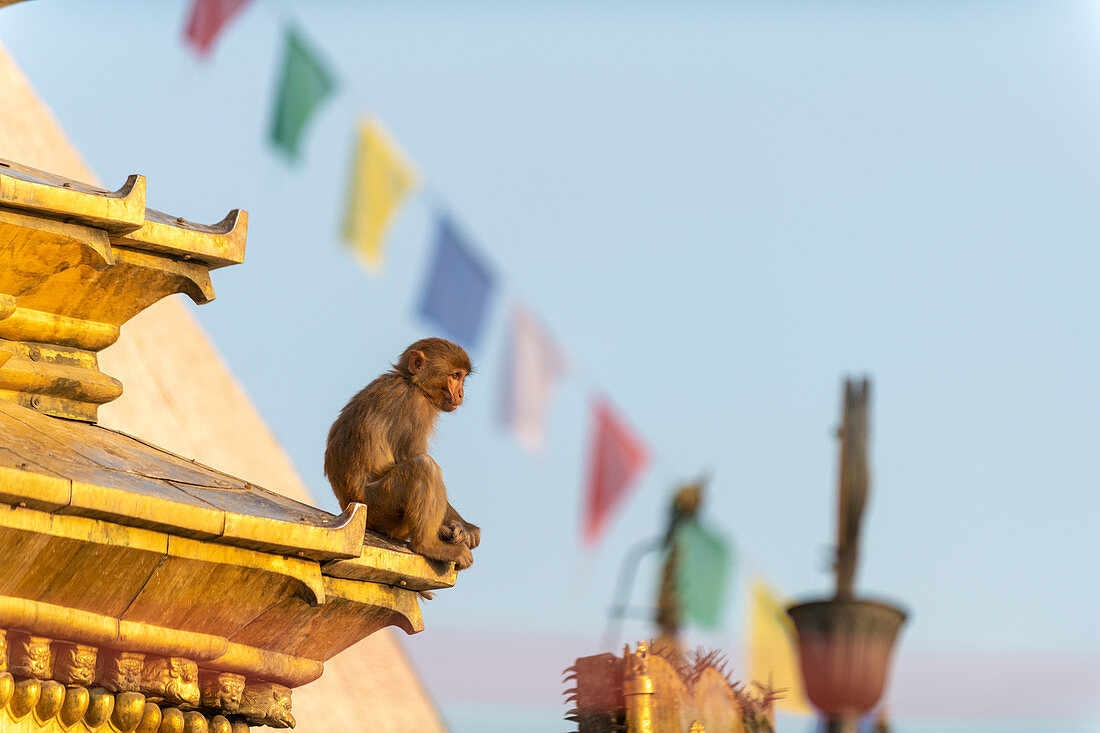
[(439, 368), (452, 390)]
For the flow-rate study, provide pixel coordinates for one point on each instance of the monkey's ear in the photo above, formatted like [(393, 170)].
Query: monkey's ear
[(417, 360)]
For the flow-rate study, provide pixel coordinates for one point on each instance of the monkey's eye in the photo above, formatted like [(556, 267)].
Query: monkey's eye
[(457, 375)]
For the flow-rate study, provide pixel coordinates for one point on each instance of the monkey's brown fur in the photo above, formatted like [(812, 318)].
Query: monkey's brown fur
[(377, 452)]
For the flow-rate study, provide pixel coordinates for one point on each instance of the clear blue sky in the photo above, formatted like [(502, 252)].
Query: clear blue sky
[(719, 209)]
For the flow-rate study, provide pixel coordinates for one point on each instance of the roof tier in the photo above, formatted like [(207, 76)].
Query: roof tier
[(123, 547), (142, 581), (79, 261)]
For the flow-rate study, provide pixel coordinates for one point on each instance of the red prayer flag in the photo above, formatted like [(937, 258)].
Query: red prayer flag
[(208, 18), (617, 459)]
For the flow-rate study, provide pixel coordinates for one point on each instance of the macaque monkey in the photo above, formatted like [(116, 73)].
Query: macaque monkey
[(377, 452)]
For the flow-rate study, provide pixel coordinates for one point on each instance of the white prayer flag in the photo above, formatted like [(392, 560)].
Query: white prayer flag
[(535, 365)]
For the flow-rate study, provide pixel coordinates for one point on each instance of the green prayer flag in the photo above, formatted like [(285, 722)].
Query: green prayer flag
[(305, 84), (703, 573)]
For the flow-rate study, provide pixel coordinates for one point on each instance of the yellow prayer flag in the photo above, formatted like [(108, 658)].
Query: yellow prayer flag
[(380, 179), (773, 649)]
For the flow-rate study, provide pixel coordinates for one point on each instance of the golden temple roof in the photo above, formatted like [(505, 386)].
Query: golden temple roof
[(300, 584), (92, 471), (130, 552), (69, 467)]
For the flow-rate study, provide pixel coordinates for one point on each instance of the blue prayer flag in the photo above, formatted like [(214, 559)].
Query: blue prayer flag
[(456, 296)]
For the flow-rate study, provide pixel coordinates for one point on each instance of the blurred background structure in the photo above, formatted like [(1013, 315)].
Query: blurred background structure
[(712, 211)]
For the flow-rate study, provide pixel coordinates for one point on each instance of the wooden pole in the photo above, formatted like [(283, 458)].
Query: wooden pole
[(853, 483)]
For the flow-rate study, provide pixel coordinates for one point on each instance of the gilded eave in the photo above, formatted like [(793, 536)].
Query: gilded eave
[(78, 261), (217, 245), (123, 545), (170, 571), (122, 214), (52, 196)]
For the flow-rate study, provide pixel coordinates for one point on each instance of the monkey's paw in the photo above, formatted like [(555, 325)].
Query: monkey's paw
[(473, 535), (453, 533), (465, 558), (457, 532)]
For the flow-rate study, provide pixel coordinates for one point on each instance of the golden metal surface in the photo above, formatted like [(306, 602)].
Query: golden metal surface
[(168, 582), (47, 706), (353, 610), (28, 655), (38, 248), (265, 703), (74, 468), (23, 187), (331, 537), (661, 697), (33, 487), (76, 262), (121, 671), (253, 613), (658, 699), (644, 692), (393, 563), (150, 592), (172, 679), (217, 245), (287, 669), (73, 382), (116, 696), (75, 664), (97, 583), (222, 691), (46, 330)]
